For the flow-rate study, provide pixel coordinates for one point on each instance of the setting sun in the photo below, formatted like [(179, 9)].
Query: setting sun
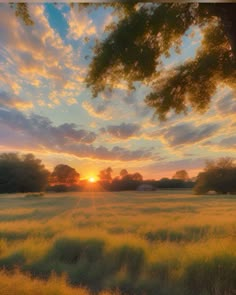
[(91, 179)]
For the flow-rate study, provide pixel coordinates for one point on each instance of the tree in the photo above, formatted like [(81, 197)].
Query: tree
[(123, 173), (64, 175), (219, 176), (22, 173), (137, 177), (133, 50), (144, 33), (182, 175), (126, 181), (105, 175)]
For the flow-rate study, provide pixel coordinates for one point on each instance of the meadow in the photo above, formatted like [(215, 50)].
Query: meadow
[(152, 243)]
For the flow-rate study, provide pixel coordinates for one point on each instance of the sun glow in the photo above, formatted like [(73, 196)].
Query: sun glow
[(91, 179)]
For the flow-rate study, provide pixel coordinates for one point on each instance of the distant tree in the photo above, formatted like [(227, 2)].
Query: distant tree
[(181, 174), (105, 175), (64, 175), (22, 173), (126, 181), (174, 183), (219, 176), (123, 173), (137, 177)]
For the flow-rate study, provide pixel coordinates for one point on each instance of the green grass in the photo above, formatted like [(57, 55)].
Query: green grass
[(139, 243)]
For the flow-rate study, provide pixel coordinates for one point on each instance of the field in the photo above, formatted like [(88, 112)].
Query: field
[(153, 243)]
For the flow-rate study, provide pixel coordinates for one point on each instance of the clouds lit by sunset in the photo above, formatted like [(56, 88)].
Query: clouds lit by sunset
[(46, 109)]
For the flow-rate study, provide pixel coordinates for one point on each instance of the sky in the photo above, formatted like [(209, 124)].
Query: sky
[(46, 109)]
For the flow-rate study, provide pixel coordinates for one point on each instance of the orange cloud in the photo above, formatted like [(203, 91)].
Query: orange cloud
[(12, 101), (80, 25)]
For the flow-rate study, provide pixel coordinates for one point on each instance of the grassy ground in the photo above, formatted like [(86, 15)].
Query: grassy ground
[(153, 243)]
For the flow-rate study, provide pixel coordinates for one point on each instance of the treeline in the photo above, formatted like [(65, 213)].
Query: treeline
[(127, 181), (25, 173)]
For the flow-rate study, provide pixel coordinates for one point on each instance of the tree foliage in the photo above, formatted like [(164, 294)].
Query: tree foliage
[(22, 173), (123, 173), (133, 50), (218, 176), (22, 11), (182, 175), (64, 175), (126, 181), (105, 175)]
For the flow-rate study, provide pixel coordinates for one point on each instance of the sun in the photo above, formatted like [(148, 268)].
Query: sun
[(91, 179)]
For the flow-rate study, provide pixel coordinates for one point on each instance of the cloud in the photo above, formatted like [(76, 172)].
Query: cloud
[(101, 110), (38, 133), (180, 164), (14, 101), (122, 131), (115, 154), (167, 168), (188, 133), (226, 104), (41, 130), (119, 105), (80, 25), (34, 56), (229, 142)]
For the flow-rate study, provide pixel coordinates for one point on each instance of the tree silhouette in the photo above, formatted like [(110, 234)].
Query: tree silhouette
[(64, 175), (22, 173), (126, 181), (123, 173), (105, 175), (137, 177), (219, 176), (181, 174)]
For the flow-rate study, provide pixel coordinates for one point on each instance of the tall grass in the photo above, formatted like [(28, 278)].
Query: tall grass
[(137, 243), (15, 282)]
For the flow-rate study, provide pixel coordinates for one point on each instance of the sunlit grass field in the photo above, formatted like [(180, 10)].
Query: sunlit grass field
[(153, 243)]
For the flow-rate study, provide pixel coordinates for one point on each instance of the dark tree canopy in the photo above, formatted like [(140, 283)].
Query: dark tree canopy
[(126, 181), (64, 174), (105, 175), (123, 173), (22, 173), (133, 49), (181, 174), (218, 176)]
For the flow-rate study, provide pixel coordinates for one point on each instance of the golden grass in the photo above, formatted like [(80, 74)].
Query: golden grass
[(163, 232), (17, 283)]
